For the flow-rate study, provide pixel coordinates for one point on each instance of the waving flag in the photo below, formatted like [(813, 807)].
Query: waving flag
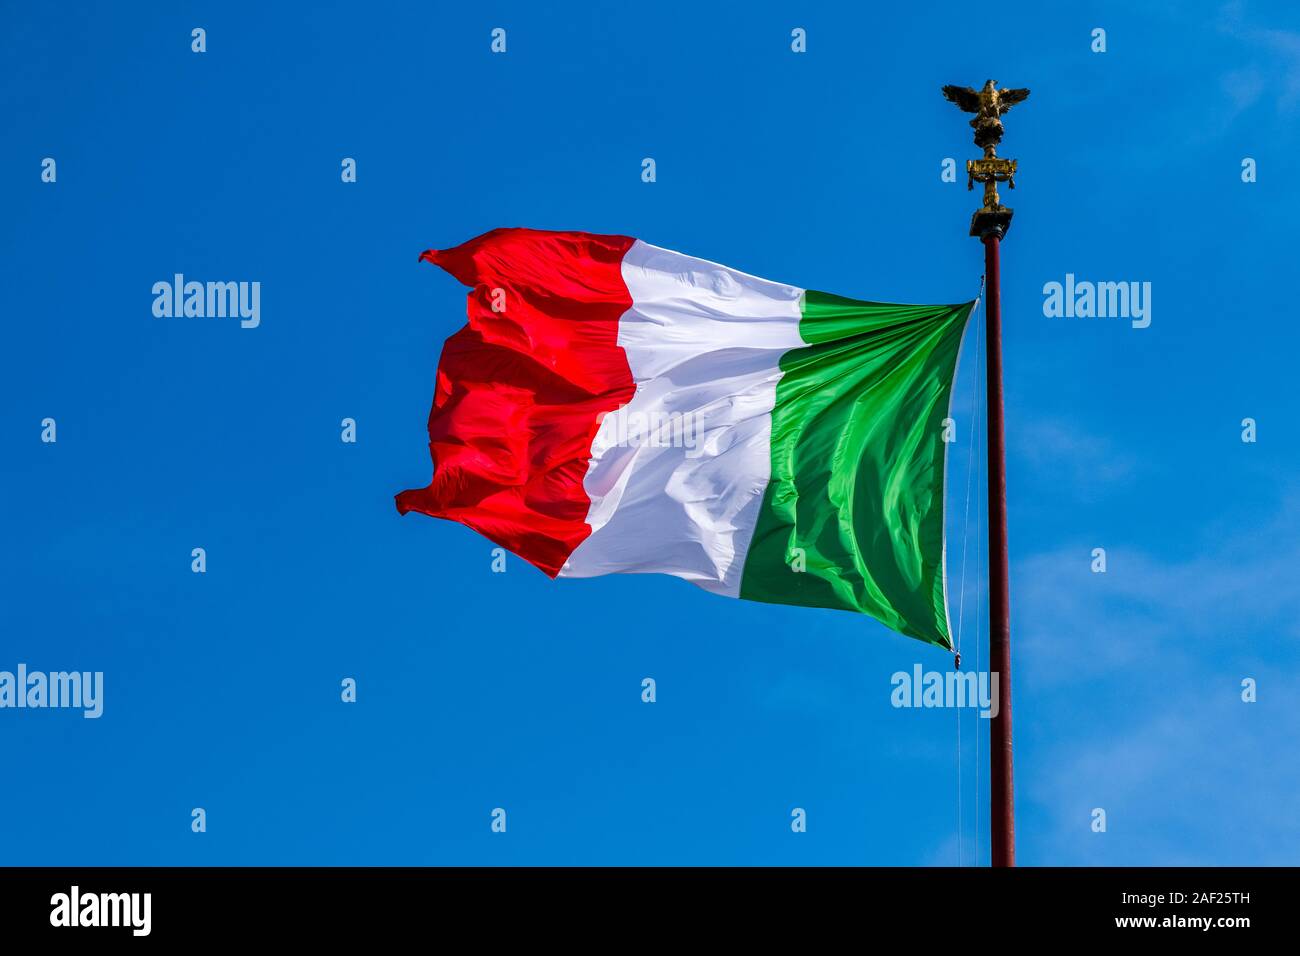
[(617, 407)]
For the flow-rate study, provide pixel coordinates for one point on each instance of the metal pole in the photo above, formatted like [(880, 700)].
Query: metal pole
[(990, 224), (1002, 820)]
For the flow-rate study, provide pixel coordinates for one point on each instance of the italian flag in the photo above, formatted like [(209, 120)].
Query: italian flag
[(612, 406)]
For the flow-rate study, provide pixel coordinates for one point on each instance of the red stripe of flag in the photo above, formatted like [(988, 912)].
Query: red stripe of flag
[(520, 392)]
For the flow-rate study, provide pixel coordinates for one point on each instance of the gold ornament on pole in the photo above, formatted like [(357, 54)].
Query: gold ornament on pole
[(988, 105)]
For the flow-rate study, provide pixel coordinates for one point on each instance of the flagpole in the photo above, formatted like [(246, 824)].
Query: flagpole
[(1002, 819), (990, 224)]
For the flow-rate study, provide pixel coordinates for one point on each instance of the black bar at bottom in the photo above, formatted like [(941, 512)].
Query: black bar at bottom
[(657, 905)]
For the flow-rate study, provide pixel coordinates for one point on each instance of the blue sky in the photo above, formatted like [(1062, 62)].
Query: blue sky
[(479, 690)]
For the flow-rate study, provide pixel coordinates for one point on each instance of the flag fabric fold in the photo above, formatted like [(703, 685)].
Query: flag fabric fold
[(612, 406)]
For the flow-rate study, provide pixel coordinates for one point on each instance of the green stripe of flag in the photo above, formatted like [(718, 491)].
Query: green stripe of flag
[(857, 486)]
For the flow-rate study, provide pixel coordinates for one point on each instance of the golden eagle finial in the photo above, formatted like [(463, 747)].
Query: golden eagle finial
[(988, 105)]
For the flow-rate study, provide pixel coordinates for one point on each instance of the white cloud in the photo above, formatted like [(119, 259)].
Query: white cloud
[(1065, 451)]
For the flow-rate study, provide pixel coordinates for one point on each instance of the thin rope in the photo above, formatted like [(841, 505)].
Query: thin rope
[(957, 710), (965, 559), (970, 469)]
